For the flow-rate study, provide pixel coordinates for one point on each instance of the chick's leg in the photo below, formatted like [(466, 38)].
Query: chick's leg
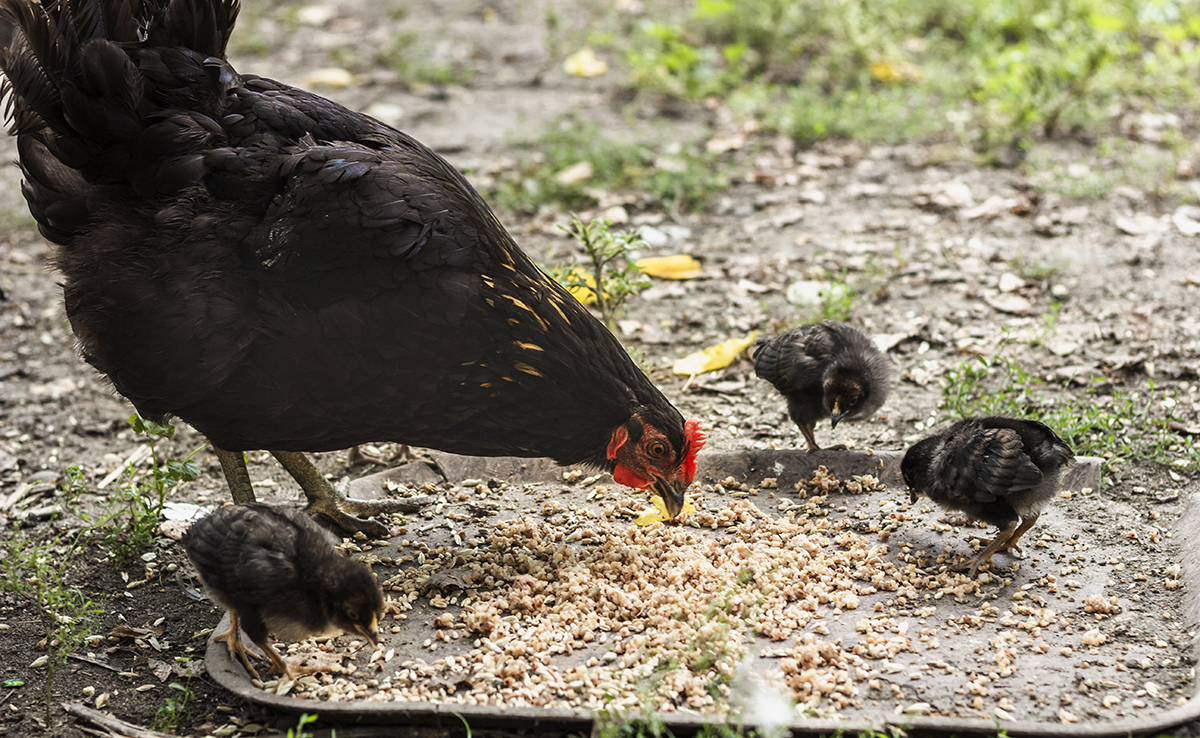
[(278, 665), (810, 436), (233, 641), (324, 499), (999, 543), (1011, 544)]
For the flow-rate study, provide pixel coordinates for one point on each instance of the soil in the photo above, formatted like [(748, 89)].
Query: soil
[(939, 250)]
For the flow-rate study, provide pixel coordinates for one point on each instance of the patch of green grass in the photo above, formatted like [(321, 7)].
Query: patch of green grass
[(992, 72), (16, 219), (413, 60), (681, 177), (37, 570), (1120, 427), (1113, 162)]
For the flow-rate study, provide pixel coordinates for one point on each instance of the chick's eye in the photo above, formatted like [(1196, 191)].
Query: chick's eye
[(657, 449), (352, 614)]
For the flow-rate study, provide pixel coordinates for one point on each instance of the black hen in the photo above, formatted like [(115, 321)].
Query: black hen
[(825, 370), (284, 273), (1002, 471), (277, 572)]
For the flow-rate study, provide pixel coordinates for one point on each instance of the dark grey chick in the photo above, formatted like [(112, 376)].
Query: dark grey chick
[(278, 572), (825, 370), (1002, 471)]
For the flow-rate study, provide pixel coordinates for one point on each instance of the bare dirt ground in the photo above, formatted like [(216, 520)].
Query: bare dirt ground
[(939, 250)]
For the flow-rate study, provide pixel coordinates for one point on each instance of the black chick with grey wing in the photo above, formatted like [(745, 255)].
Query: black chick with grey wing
[(825, 370), (1002, 471), (278, 572)]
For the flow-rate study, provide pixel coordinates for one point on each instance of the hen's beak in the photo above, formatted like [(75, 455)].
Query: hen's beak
[(672, 494), (913, 495)]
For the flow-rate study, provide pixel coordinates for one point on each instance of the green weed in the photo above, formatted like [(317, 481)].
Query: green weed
[(37, 570), (991, 72), (174, 711), (607, 262), (1120, 427), (299, 731), (130, 517)]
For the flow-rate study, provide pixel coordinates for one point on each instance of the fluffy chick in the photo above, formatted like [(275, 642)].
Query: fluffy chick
[(277, 571), (824, 370), (1002, 471)]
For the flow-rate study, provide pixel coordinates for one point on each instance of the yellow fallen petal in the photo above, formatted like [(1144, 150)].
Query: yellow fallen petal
[(658, 513), (584, 63), (332, 77), (714, 357), (676, 266), (582, 292), (885, 71)]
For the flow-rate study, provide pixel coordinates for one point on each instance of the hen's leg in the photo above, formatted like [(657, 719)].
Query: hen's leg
[(233, 641), (324, 499), (233, 463)]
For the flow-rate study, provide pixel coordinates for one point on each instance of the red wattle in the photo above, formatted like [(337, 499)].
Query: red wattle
[(628, 477)]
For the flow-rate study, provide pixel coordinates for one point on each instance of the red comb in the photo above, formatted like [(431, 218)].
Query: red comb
[(696, 439)]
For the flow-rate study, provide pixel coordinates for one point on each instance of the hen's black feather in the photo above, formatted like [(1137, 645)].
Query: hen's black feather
[(278, 572), (825, 370), (1002, 471), (283, 273)]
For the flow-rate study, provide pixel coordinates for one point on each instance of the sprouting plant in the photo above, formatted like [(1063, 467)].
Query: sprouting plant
[(174, 711), (608, 275), (131, 516), (38, 570), (835, 302), (299, 731)]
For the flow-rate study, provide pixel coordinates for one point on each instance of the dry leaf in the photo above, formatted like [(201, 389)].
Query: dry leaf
[(658, 513), (676, 266), (585, 63), (714, 357)]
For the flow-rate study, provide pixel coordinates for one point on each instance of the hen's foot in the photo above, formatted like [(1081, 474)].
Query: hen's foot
[(323, 499)]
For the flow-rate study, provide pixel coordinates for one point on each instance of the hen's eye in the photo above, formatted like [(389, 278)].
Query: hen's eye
[(657, 449)]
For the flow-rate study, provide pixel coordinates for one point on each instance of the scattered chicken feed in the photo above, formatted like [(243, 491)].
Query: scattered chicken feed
[(834, 595)]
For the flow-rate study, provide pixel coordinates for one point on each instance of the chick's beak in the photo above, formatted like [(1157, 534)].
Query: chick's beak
[(672, 494), (370, 631), (836, 415)]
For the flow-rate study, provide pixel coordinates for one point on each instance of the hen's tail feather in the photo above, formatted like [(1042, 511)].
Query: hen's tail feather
[(67, 63)]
